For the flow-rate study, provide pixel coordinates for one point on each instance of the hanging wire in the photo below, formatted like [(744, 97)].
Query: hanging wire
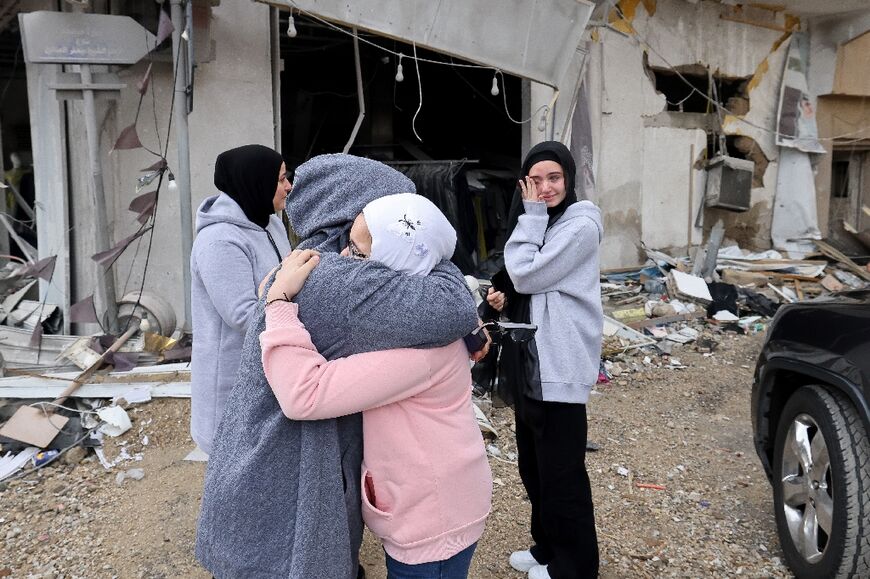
[(157, 191), (420, 88), (417, 61), (380, 47), (507, 112)]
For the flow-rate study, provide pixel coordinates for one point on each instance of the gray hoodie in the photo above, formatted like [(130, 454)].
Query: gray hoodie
[(229, 258), (282, 498), (559, 268)]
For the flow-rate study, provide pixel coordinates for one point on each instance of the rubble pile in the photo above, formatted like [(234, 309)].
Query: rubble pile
[(672, 304), (62, 394)]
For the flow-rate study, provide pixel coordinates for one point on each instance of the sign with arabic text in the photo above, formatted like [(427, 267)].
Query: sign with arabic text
[(66, 38)]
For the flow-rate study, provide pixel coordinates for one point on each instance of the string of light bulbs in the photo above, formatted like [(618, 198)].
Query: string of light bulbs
[(400, 76), (642, 41)]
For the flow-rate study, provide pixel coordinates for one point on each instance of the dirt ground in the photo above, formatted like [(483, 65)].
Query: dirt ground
[(685, 429)]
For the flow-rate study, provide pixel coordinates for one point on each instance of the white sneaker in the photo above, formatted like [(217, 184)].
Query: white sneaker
[(523, 561), (539, 572)]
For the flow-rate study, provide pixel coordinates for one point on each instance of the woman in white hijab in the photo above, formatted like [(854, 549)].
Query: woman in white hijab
[(426, 480)]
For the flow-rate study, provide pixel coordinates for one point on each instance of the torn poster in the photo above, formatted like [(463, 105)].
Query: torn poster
[(797, 108)]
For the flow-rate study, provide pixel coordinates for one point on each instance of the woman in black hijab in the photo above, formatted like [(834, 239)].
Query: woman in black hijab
[(551, 279), (239, 239)]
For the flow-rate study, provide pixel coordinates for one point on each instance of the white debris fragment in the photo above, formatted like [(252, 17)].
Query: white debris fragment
[(117, 420), (725, 316), (133, 474), (493, 450)]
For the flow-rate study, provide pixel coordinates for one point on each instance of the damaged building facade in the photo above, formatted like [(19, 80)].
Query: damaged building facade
[(652, 135), (644, 123)]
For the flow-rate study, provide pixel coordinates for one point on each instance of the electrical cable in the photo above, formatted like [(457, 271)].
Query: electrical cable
[(420, 88), (418, 60), (157, 192), (532, 116)]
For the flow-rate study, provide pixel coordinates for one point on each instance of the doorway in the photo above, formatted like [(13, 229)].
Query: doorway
[(461, 145)]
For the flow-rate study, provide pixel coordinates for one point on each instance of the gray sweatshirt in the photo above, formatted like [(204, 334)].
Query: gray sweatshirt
[(229, 258), (282, 498), (559, 268)]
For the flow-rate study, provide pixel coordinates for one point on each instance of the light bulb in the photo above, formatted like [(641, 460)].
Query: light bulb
[(172, 186), (291, 27), (494, 90), (399, 76), (542, 124)]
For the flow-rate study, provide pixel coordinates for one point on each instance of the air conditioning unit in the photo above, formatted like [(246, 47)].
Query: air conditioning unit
[(729, 183)]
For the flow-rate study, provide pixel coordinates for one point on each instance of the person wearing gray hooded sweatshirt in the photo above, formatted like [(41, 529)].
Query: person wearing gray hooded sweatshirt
[(281, 497), (552, 281), (239, 239)]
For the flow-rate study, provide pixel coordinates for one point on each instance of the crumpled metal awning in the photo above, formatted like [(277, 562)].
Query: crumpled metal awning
[(533, 39)]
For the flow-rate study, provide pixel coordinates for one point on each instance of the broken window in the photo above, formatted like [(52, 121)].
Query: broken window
[(850, 189), (729, 92), (840, 179)]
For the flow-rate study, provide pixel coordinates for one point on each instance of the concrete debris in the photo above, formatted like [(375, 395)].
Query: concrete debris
[(683, 311), (132, 474), (687, 286), (832, 284), (117, 421)]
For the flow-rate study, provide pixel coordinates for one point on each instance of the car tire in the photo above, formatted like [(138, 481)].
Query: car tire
[(823, 520)]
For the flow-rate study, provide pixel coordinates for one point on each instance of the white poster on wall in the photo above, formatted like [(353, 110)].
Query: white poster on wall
[(796, 124)]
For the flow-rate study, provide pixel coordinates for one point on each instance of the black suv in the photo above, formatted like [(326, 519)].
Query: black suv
[(811, 420)]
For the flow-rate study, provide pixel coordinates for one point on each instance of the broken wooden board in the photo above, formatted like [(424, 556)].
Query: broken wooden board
[(839, 256), (650, 322), (618, 337), (804, 267), (742, 277), (832, 284)]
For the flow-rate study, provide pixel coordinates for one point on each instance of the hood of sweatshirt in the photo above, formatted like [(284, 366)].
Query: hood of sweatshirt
[(222, 209), (580, 210), (329, 191)]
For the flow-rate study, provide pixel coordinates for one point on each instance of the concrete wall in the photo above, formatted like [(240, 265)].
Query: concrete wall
[(643, 157), (232, 107)]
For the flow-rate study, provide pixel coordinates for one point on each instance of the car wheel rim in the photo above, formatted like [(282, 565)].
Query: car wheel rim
[(807, 489)]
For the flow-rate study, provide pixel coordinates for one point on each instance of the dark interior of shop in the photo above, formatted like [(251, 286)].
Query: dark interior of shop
[(468, 147)]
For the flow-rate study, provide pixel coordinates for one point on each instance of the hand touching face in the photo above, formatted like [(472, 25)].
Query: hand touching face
[(545, 182)]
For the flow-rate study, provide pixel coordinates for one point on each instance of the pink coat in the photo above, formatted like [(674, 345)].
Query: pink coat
[(426, 480)]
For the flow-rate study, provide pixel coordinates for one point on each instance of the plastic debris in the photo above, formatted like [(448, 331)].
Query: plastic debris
[(117, 420)]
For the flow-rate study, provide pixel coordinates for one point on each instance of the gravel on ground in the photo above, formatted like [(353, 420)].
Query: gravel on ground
[(678, 489)]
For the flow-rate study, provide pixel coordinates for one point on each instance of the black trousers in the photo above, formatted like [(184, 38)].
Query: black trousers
[(551, 451)]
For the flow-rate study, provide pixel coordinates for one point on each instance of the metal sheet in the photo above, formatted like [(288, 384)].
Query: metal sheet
[(68, 38), (534, 39)]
